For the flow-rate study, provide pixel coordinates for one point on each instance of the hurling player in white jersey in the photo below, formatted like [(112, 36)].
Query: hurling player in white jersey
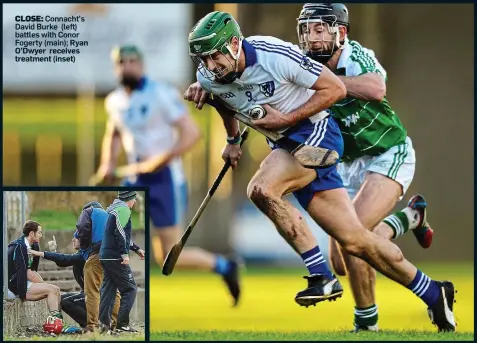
[(145, 115), (269, 72)]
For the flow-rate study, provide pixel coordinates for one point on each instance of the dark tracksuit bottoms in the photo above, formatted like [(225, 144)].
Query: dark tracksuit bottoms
[(72, 303), (115, 245)]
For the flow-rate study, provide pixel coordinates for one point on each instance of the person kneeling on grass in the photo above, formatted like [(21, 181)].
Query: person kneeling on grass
[(25, 282), (74, 303)]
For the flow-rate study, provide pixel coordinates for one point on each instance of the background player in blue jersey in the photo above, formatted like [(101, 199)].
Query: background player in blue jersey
[(145, 115)]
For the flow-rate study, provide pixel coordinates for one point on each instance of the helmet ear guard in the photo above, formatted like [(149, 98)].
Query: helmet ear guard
[(228, 48)]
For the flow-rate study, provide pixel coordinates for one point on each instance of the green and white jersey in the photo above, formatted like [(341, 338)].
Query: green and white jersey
[(369, 128), (30, 257)]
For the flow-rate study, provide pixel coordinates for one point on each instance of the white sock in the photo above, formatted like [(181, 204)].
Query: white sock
[(413, 216)]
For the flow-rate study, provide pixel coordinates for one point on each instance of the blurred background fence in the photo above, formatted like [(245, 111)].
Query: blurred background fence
[(54, 116)]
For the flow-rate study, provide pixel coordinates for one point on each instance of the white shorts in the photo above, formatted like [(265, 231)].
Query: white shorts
[(398, 163), (12, 295)]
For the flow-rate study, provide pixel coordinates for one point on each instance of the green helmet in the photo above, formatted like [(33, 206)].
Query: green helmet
[(119, 52), (211, 34)]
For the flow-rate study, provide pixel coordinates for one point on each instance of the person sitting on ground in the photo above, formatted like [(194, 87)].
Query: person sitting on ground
[(24, 280)]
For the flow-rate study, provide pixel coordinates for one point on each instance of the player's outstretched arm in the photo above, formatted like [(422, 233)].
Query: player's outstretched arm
[(369, 86), (328, 90), (61, 260), (231, 124), (232, 150), (197, 94), (189, 135), (110, 149)]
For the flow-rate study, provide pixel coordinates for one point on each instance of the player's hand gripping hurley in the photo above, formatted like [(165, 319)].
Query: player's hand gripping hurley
[(173, 255), (308, 156)]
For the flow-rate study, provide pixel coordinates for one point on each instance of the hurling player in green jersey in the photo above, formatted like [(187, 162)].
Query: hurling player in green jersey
[(378, 162)]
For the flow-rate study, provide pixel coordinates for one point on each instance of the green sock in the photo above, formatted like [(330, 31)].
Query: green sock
[(399, 222), (56, 314), (367, 316)]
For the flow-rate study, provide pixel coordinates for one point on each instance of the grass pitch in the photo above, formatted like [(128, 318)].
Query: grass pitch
[(62, 338), (196, 306), (36, 333), (309, 336)]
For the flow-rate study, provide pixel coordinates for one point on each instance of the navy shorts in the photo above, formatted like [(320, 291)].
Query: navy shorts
[(323, 134), (167, 197)]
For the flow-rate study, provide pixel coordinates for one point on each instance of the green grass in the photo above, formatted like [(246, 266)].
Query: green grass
[(310, 336), (196, 306), (129, 337), (64, 220)]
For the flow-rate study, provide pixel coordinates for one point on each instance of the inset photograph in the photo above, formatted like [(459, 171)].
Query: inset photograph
[(74, 265)]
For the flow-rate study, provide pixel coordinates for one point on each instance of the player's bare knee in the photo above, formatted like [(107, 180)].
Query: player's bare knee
[(258, 193), (384, 232), (397, 254), (353, 248), (55, 290), (356, 244)]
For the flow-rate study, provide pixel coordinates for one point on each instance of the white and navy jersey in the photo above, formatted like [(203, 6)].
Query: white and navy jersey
[(276, 73), (145, 119)]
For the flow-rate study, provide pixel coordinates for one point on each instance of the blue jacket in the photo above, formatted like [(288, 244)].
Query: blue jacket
[(18, 266), (90, 227)]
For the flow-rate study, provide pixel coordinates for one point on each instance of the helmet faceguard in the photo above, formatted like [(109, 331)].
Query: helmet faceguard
[(223, 74), (211, 37), (330, 17)]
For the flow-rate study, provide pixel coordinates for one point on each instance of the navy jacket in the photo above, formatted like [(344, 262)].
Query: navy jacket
[(18, 266), (67, 260), (117, 239)]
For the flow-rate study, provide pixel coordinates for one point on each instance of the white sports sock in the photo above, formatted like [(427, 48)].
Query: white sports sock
[(413, 216)]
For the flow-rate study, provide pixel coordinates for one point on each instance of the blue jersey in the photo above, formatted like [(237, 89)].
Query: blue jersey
[(145, 119)]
